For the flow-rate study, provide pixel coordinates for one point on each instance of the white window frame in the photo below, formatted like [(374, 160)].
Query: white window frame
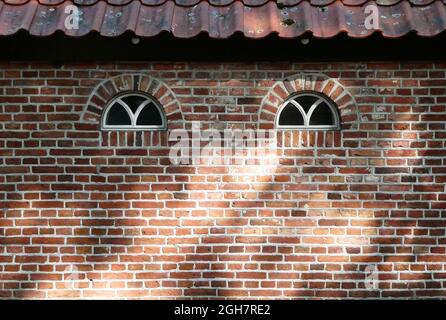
[(134, 116), (307, 116)]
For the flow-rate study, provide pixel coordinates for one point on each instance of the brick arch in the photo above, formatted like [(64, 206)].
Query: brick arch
[(309, 81), (109, 88)]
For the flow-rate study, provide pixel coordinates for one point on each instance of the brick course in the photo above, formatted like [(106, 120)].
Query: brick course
[(112, 207)]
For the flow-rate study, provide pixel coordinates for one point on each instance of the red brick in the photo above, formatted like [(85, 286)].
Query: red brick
[(137, 226)]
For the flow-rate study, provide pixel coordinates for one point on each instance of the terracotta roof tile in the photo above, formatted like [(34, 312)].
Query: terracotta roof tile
[(222, 18), (251, 3)]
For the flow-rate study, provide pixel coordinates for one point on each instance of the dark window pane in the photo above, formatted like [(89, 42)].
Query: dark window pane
[(133, 101), (291, 116), (149, 116), (322, 116), (118, 116), (306, 101)]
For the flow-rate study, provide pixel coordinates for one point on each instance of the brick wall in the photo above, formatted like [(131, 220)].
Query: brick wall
[(106, 215)]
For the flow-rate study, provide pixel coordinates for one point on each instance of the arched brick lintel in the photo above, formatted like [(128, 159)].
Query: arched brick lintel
[(318, 82), (108, 88)]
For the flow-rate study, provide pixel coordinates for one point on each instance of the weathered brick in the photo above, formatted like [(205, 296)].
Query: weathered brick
[(305, 226)]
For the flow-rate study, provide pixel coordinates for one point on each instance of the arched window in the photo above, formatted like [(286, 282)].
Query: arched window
[(308, 110), (134, 111)]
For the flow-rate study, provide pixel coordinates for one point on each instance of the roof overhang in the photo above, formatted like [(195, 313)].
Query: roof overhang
[(221, 19)]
